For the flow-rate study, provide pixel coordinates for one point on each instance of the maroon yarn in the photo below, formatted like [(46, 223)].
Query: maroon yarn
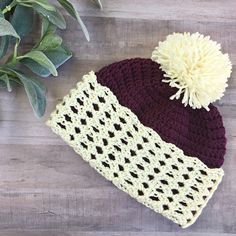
[(137, 83)]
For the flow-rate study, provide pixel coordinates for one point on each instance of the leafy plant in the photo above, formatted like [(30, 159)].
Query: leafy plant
[(17, 20)]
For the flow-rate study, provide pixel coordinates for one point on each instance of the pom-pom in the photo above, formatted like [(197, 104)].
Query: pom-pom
[(194, 65)]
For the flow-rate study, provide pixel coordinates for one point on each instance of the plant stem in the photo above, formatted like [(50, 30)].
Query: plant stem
[(9, 7), (3, 70), (26, 5), (13, 58), (15, 51)]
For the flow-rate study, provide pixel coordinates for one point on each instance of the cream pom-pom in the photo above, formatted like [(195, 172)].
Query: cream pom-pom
[(194, 65)]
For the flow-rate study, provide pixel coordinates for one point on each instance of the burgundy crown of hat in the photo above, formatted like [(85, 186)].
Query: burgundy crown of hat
[(137, 83)]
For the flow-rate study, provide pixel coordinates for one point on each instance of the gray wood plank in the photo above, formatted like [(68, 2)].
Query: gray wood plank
[(195, 10), (102, 233)]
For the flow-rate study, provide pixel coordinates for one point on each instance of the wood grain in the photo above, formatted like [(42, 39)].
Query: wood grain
[(197, 10), (46, 189)]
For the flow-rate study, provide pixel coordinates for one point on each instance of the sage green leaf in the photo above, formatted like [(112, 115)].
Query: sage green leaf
[(47, 27), (98, 3), (8, 82), (4, 3), (23, 20), (35, 91), (44, 28), (49, 41), (43, 3), (4, 42), (42, 60), (55, 17), (69, 7), (57, 56), (7, 29), (4, 78)]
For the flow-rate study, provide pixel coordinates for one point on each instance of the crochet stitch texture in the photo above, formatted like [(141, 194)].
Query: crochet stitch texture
[(134, 157), (137, 84)]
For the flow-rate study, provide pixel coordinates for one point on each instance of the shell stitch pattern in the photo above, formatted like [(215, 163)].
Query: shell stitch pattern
[(134, 157)]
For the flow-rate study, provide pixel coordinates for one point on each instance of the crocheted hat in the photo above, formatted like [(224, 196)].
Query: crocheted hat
[(124, 122)]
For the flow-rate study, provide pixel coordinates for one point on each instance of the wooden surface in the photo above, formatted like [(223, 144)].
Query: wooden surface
[(46, 189)]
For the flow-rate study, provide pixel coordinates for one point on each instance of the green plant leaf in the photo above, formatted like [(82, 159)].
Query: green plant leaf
[(43, 3), (4, 42), (57, 56), (49, 41), (35, 91), (47, 27), (69, 7), (8, 82), (23, 20), (7, 29), (98, 3), (41, 59), (4, 78), (55, 17), (4, 3)]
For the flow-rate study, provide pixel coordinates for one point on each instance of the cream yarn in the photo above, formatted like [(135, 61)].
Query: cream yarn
[(194, 65)]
